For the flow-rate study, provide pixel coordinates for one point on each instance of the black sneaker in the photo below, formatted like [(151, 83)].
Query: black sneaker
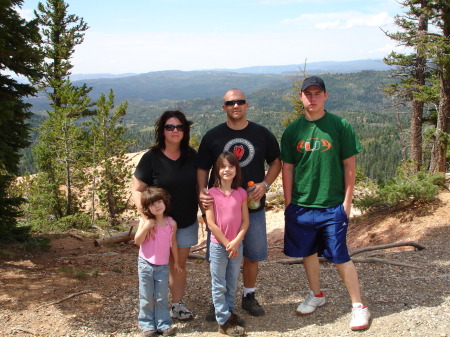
[(250, 303)]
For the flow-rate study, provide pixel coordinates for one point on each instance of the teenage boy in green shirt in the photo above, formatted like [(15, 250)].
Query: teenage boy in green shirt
[(318, 153)]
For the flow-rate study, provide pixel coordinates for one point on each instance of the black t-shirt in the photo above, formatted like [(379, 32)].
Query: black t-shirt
[(178, 177), (254, 145)]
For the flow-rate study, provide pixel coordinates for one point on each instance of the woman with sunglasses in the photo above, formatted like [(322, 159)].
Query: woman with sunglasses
[(169, 164)]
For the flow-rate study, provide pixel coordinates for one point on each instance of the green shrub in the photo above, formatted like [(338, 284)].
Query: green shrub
[(405, 188)]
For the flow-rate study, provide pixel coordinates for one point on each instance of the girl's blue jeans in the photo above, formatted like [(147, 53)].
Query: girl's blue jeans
[(153, 296), (224, 278)]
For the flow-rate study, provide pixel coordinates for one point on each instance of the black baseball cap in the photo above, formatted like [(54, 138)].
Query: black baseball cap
[(313, 81)]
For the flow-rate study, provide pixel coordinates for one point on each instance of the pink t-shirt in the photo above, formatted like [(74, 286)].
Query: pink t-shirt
[(228, 211), (157, 250)]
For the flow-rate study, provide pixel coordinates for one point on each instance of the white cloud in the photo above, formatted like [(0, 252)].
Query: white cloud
[(27, 14), (344, 20)]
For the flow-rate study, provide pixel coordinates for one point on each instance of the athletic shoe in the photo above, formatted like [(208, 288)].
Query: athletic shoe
[(360, 318), (250, 303), (231, 327), (150, 333), (310, 304), (179, 311)]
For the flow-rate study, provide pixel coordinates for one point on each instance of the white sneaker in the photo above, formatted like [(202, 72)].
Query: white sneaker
[(310, 304), (360, 318), (179, 311)]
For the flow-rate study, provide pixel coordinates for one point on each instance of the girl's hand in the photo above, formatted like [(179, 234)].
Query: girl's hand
[(150, 225), (233, 249), (177, 268)]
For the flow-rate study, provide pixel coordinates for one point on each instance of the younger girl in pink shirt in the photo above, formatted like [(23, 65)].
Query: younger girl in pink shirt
[(156, 238)]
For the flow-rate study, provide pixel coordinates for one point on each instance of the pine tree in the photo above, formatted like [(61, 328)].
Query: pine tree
[(62, 33), (19, 53), (412, 69), (111, 173), (58, 153)]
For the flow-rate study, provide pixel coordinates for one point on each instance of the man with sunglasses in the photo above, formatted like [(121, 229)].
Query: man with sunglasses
[(255, 146)]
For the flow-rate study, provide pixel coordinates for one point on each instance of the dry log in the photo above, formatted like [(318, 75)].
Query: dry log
[(116, 238), (198, 249), (196, 256), (387, 246), (76, 236)]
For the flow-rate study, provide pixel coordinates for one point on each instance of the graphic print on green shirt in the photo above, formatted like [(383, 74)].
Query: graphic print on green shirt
[(317, 149)]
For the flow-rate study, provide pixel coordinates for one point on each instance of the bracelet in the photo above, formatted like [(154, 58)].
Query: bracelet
[(267, 185)]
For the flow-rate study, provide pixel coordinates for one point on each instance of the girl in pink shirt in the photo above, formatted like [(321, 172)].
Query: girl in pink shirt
[(228, 221), (156, 238)]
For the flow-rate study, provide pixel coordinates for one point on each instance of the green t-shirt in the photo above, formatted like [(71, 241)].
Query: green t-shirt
[(317, 149)]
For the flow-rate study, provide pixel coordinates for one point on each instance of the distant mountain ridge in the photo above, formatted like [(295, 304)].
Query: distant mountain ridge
[(311, 68), (317, 67)]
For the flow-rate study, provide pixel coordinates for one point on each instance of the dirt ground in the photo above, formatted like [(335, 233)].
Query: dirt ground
[(77, 289)]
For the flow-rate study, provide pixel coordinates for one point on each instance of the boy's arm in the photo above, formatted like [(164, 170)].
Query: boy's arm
[(174, 247), (349, 181), (287, 176), (215, 230), (143, 230)]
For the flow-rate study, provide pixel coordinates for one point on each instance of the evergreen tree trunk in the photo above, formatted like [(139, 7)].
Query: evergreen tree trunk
[(417, 111), (440, 137)]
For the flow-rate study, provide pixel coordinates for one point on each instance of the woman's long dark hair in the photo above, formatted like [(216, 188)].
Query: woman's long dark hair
[(160, 143)]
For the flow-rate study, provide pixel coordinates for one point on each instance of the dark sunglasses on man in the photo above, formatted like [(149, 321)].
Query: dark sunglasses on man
[(171, 127), (237, 101)]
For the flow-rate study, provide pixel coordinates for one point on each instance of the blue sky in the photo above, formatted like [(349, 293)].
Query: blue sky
[(139, 36)]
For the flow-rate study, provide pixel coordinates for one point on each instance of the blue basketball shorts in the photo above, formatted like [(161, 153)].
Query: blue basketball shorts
[(316, 230)]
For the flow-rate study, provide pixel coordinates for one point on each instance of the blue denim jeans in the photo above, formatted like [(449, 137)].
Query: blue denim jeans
[(224, 278), (255, 240), (153, 296)]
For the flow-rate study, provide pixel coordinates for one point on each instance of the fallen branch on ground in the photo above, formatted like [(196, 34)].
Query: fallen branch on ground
[(364, 260), (24, 330), (359, 260), (387, 246), (66, 298)]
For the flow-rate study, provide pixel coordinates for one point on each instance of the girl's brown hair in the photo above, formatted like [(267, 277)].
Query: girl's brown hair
[(233, 160), (151, 195)]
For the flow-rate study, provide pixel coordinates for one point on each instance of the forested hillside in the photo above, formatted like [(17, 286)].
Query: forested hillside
[(355, 96)]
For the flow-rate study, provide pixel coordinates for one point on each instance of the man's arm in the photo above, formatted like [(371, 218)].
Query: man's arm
[(287, 176), (349, 181), (271, 175)]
